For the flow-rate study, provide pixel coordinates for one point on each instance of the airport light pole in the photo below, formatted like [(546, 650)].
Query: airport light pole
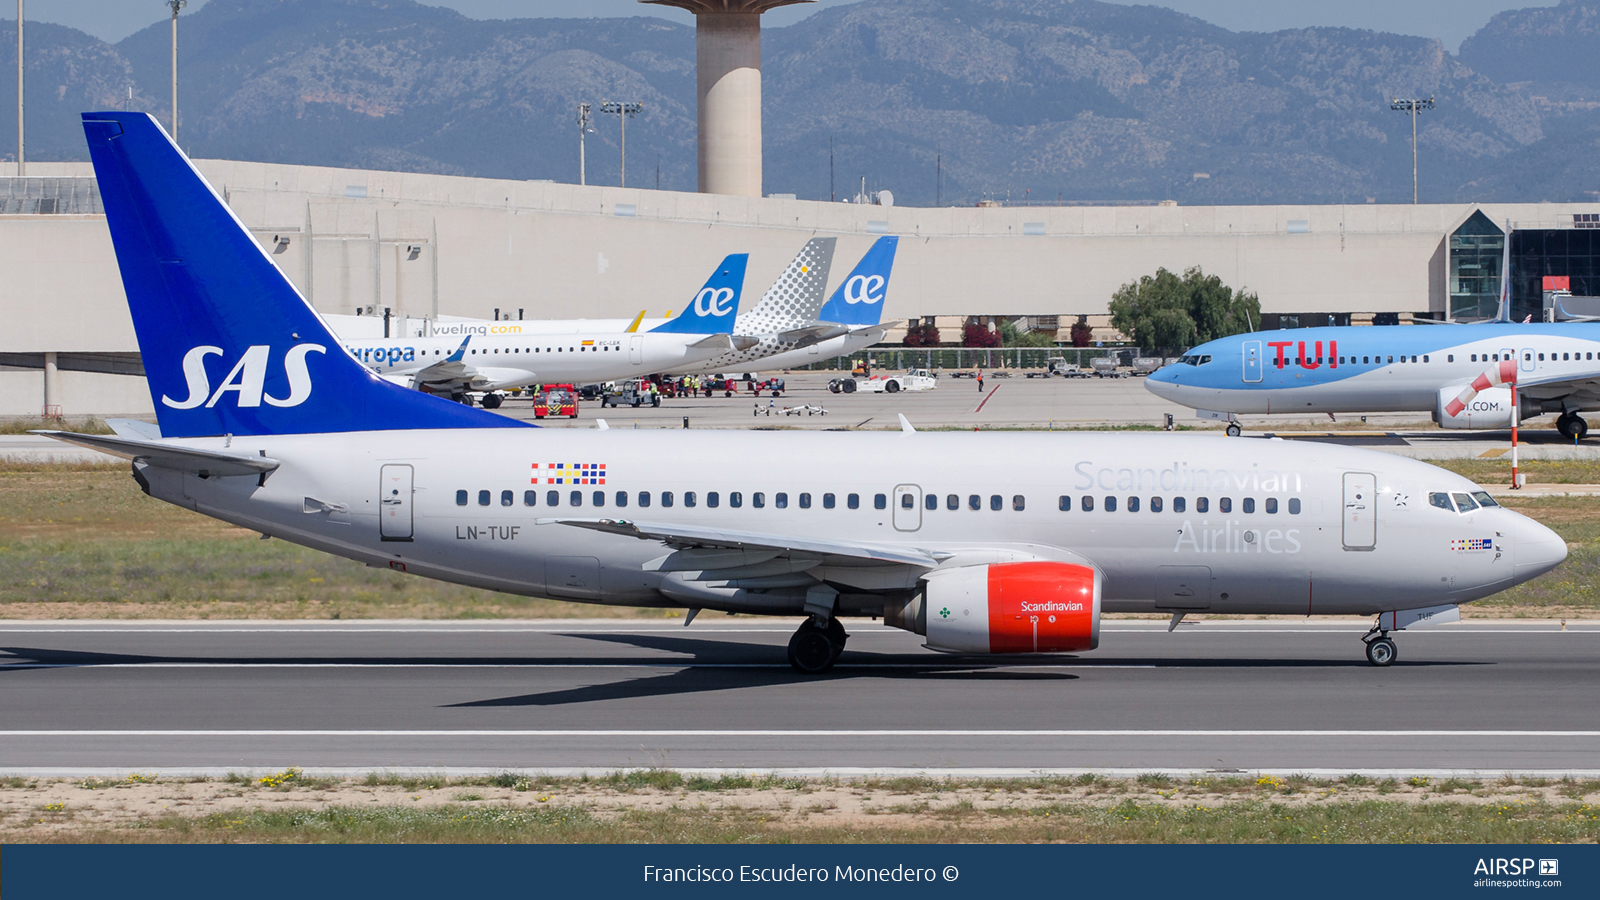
[(583, 129), (622, 110), (176, 5), (1412, 106), (19, 89)]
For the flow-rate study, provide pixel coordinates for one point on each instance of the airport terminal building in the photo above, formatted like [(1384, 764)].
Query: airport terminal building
[(426, 245)]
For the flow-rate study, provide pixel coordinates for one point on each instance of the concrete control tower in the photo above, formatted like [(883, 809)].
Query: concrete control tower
[(728, 70)]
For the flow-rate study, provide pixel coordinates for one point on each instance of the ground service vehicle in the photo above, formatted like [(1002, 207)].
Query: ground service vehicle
[(555, 401)]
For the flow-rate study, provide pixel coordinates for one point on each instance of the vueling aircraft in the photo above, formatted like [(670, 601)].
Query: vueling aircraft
[(505, 358), (994, 543), (1413, 368)]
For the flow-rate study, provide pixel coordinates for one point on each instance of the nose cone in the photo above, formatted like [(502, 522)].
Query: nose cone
[(1535, 549), (1163, 382)]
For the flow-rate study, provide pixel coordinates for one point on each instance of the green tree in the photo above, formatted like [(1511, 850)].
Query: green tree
[(1164, 312), (1013, 336)]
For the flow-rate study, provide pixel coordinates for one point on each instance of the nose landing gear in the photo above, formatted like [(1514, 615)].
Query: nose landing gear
[(1380, 649), (815, 646)]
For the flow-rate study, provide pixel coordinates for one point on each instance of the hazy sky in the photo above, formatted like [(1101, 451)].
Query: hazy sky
[(1451, 21)]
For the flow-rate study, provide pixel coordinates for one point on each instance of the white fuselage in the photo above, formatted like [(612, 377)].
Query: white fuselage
[(508, 360), (506, 535), (821, 351)]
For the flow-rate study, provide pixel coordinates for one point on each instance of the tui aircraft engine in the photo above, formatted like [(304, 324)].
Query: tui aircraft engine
[(1488, 408), (1016, 607)]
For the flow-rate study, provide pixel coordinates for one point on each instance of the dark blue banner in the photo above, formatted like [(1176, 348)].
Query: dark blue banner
[(398, 872)]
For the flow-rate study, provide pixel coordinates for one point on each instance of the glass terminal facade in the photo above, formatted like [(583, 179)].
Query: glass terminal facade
[(1476, 250)]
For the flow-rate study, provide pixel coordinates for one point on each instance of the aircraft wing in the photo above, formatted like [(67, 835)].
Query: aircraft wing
[(1586, 386), (170, 456), (689, 537)]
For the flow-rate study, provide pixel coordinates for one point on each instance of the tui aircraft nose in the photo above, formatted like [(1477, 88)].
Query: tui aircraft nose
[(1163, 382)]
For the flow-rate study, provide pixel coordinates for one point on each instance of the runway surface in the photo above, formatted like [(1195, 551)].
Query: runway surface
[(558, 696)]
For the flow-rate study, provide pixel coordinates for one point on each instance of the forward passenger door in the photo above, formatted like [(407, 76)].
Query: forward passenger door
[(1252, 361), (1360, 511)]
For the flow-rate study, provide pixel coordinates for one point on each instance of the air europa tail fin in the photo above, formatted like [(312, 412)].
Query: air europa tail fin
[(716, 307), (229, 345), (859, 298)]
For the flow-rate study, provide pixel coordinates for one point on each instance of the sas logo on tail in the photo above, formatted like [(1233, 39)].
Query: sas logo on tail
[(247, 378)]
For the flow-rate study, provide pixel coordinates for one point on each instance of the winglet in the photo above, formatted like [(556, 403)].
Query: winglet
[(636, 320), (905, 425), (460, 351)]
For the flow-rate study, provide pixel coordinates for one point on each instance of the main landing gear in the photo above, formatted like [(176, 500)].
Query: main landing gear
[(816, 645), (1572, 426), (1380, 647)]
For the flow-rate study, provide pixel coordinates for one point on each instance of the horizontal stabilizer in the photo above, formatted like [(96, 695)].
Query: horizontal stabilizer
[(689, 536), (714, 342), (813, 334), (170, 456)]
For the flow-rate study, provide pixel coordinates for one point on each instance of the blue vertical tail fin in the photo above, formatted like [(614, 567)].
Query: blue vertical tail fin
[(859, 298), (716, 307), (229, 345)]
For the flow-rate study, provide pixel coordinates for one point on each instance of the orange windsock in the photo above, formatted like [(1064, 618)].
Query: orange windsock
[(1503, 372)]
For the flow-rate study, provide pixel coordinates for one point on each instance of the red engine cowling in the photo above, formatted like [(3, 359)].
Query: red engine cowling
[(1021, 607)]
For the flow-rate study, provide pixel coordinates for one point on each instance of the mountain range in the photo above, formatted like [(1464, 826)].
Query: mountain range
[(941, 101)]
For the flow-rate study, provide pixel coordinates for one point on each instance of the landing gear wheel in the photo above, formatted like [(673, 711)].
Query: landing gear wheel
[(1234, 430), (1381, 651), (811, 652), (1572, 426), (838, 636), (491, 401)]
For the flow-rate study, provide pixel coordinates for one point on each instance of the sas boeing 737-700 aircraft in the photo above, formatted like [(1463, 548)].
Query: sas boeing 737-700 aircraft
[(1358, 369), (506, 359), (983, 543)]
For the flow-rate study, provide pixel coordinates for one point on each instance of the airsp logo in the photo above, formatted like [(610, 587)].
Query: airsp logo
[(247, 379), (864, 289), (713, 302)]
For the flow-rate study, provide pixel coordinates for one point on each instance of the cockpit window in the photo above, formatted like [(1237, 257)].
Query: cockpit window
[(1441, 500), (1465, 503), (1194, 360), (1483, 498)]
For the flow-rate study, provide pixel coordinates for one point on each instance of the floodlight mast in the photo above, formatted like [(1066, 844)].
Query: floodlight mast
[(176, 5), (583, 129), (624, 111), (1412, 106), (728, 91), (20, 163)]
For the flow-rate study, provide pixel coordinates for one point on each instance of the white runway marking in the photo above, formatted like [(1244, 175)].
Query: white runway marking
[(469, 664), (791, 733)]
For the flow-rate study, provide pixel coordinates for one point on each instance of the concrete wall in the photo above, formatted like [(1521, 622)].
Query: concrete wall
[(426, 244), (80, 394)]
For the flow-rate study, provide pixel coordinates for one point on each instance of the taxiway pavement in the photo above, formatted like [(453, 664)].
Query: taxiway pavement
[(1285, 696)]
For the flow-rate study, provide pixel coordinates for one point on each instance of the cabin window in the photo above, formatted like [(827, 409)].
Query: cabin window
[(1179, 504), (1202, 504), (996, 502), (1133, 504), (759, 500), (827, 501), (1110, 504), (1019, 502), (530, 498), (575, 498), (1247, 505), (1541, 357), (713, 499), (1155, 504), (781, 501), (1441, 500), (644, 499), (735, 499), (974, 502), (1064, 503), (1391, 359), (1364, 360), (622, 498), (952, 501), (599, 498), (1294, 506), (1272, 506), (1086, 503), (552, 498), (666, 499), (1225, 504), (506, 498), (930, 502), (1450, 358), (853, 501), (461, 498), (879, 501), (690, 499), (805, 501), (483, 498), (1563, 357), (1414, 359)]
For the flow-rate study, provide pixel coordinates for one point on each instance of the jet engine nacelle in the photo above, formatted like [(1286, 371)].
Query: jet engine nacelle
[(1019, 607), (1491, 408)]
